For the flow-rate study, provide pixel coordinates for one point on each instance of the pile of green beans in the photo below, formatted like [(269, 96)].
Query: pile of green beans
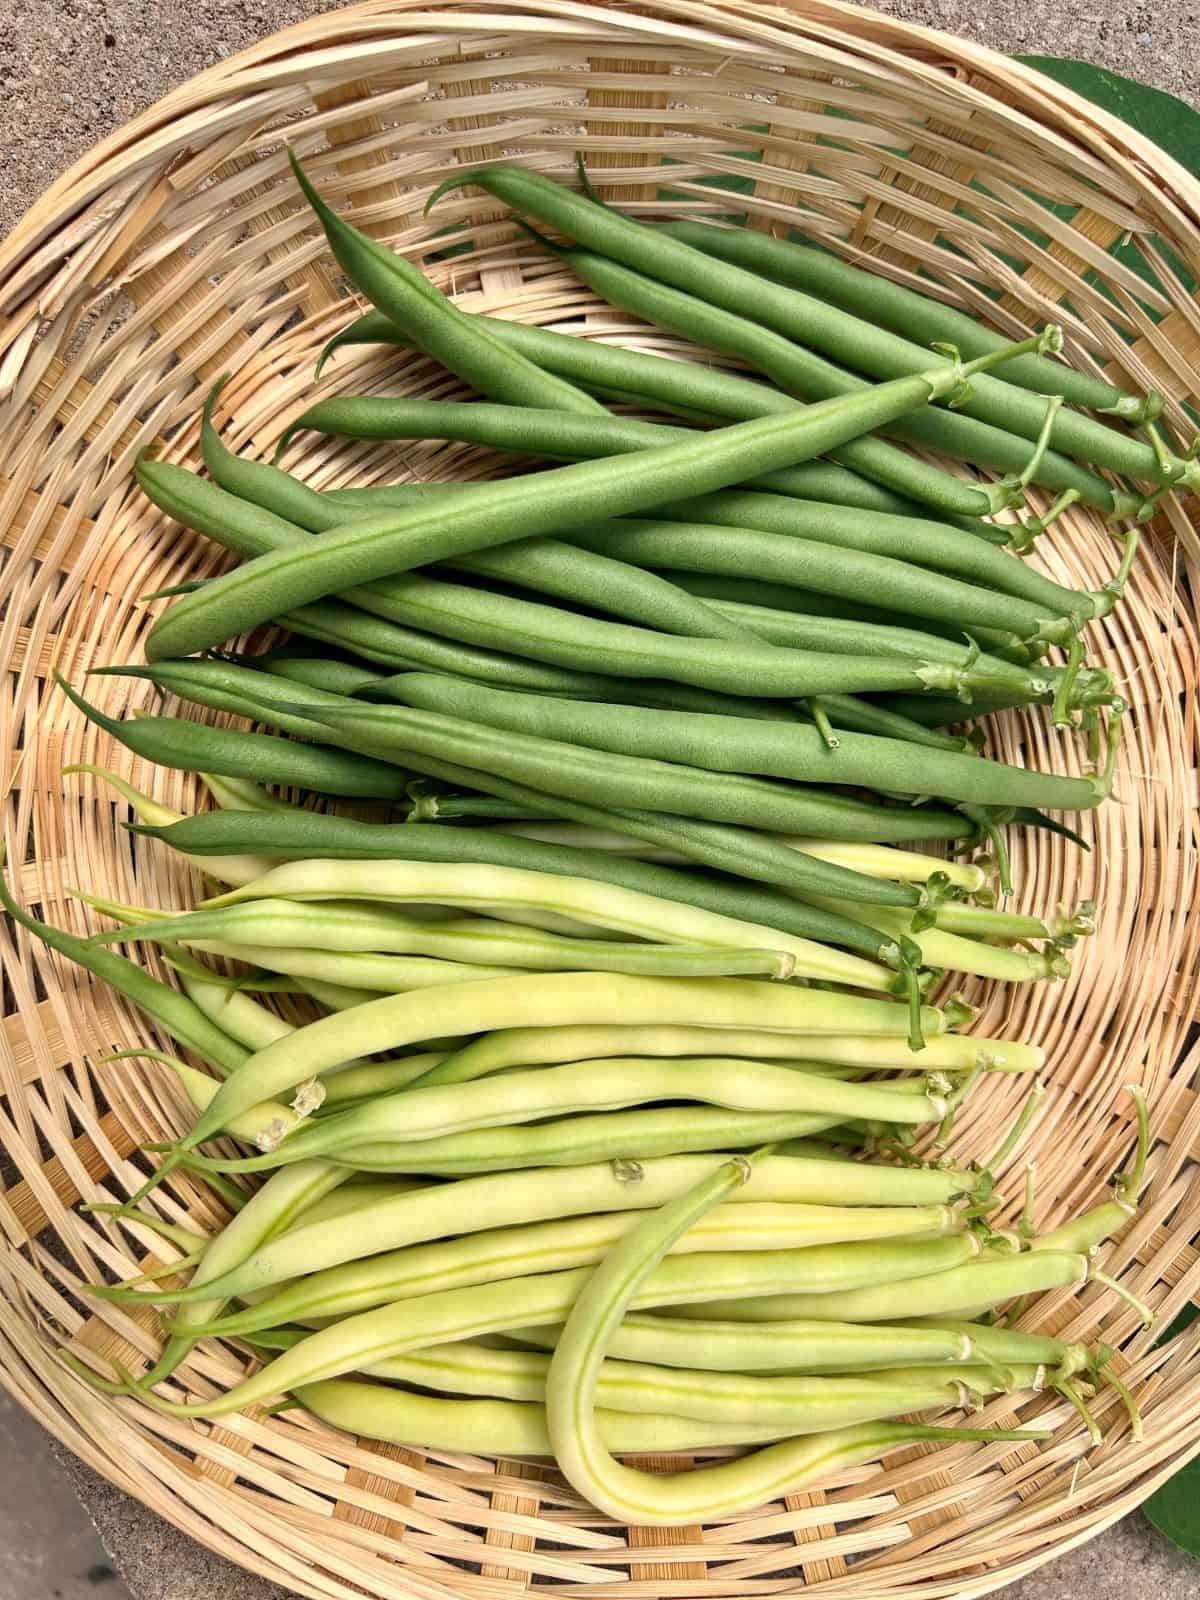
[(597, 1125)]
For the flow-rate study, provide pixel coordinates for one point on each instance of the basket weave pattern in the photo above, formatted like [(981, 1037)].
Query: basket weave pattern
[(178, 248)]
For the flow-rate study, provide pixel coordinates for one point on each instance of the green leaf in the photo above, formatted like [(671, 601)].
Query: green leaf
[(1175, 1508), (1169, 122)]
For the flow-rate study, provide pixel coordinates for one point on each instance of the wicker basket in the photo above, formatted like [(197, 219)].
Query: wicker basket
[(177, 248)]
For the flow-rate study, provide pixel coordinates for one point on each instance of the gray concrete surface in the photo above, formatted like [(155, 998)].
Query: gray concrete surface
[(70, 72)]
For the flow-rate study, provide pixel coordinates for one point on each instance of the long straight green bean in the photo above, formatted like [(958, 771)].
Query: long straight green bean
[(873, 475), (937, 545), (579, 1140), (609, 1085), (503, 1253), (352, 923), (906, 311), (725, 743), (346, 929), (472, 1206), (803, 1404), (986, 1282), (538, 1046), (274, 584)]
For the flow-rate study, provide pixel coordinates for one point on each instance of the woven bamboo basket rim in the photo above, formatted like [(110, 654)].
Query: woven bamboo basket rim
[(177, 248)]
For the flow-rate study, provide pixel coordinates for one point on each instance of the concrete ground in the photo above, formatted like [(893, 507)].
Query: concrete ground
[(70, 72)]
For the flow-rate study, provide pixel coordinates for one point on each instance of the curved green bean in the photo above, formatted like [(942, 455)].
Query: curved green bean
[(539, 1046), (798, 1403), (444, 1318), (504, 1427), (347, 929), (618, 1284), (579, 1140), (411, 302)]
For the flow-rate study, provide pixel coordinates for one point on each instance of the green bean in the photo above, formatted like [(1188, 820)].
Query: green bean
[(916, 315), (504, 1101), (346, 679), (794, 627), (920, 541), (234, 868), (583, 577), (925, 542), (785, 598), (580, 1140), (849, 573), (250, 530), (271, 585), (569, 437), (797, 370), (304, 835), (346, 928), (881, 861), (691, 390), (362, 970), (510, 1253), (797, 810), (734, 743), (507, 1427), (816, 1347), (539, 1046), (843, 710), (988, 1282), (192, 746), (177, 1014), (798, 1404), (444, 1318), (352, 923), (747, 666), (501, 889), (554, 998), (668, 785), (409, 300), (617, 1285), (473, 1205), (509, 893), (860, 345), (726, 588), (801, 1404)]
